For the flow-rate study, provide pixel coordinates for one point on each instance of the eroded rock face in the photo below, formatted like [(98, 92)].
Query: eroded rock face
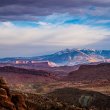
[(8, 101), (19, 102)]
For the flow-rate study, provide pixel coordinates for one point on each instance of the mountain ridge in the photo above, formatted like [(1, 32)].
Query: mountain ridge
[(68, 57), (77, 56)]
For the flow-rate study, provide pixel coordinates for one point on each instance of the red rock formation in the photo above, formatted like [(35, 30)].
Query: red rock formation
[(8, 101)]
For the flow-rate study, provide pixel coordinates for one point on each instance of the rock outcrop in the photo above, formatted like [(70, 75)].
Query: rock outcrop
[(9, 101)]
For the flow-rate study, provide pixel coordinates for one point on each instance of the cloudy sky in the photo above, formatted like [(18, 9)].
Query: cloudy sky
[(36, 27)]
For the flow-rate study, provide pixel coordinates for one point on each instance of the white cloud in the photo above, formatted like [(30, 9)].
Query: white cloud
[(50, 35), (63, 35)]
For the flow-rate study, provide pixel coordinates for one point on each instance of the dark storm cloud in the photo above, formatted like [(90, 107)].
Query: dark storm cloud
[(51, 3), (16, 18), (11, 9)]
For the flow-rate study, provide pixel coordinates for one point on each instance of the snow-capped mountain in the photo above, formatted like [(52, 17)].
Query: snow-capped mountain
[(69, 57), (77, 56)]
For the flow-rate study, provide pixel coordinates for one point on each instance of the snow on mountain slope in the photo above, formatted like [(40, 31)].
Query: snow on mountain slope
[(68, 57), (77, 56)]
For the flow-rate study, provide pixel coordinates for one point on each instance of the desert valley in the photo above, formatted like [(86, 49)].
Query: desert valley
[(63, 84)]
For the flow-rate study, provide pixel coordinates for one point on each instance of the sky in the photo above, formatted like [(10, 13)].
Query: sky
[(39, 27)]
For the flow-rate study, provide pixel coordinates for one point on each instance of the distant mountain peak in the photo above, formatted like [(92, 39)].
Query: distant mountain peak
[(78, 56), (69, 57)]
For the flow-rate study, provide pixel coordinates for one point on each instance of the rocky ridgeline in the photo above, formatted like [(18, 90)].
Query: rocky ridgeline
[(11, 69), (9, 101), (90, 73)]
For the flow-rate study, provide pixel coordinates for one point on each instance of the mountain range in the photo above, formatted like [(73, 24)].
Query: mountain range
[(69, 57)]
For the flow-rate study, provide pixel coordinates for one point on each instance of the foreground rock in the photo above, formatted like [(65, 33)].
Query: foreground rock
[(8, 101)]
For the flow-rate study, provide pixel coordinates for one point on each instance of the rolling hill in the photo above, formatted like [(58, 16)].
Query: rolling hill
[(90, 73)]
